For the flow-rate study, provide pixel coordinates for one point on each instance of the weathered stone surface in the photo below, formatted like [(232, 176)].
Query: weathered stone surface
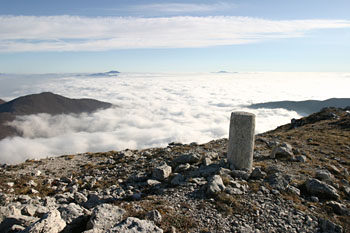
[(338, 208), (41, 211), (215, 185), (206, 161), (241, 140), (134, 225), (154, 216), (240, 174), (257, 173), (24, 199), (29, 210), (292, 189), (152, 182), (188, 158), (182, 167), (104, 217), (210, 170), (80, 198), (324, 175), (162, 172), (20, 220), (93, 201), (4, 199), (321, 189), (328, 226), (277, 181), (284, 150), (178, 179), (71, 213), (50, 223)]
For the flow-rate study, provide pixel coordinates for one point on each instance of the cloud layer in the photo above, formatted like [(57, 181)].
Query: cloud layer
[(156, 109), (74, 33)]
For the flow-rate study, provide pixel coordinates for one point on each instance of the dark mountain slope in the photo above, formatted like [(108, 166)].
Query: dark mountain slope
[(44, 103), (52, 104), (2, 101), (305, 107)]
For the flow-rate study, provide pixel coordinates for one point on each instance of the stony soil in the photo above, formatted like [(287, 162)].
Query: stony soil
[(303, 187)]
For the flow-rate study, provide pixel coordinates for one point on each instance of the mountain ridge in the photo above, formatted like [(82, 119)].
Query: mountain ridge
[(45, 102), (305, 107)]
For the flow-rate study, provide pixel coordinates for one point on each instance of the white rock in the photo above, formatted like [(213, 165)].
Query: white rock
[(134, 225), (50, 223), (284, 150), (105, 216), (215, 185), (29, 210), (162, 172)]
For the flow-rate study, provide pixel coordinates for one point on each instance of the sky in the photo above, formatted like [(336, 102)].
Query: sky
[(41, 36)]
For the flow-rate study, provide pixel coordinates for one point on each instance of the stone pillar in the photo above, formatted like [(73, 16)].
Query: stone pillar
[(241, 140)]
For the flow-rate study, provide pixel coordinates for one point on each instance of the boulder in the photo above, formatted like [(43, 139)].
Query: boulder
[(178, 179), (257, 174), (240, 174), (324, 175), (29, 210), (188, 158), (284, 150), (329, 226), (49, 223), (338, 208), (8, 223), (162, 172), (134, 225), (321, 189), (74, 216), (104, 217), (215, 185)]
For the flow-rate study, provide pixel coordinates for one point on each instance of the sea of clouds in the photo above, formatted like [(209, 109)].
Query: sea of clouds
[(154, 109)]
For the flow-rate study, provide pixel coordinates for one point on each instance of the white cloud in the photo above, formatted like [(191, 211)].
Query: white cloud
[(182, 7), (74, 33), (156, 109)]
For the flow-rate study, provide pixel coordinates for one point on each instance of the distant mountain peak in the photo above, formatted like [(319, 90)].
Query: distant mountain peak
[(106, 74), (46, 102)]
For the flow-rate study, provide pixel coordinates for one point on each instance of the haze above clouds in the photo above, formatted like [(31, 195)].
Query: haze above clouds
[(155, 109)]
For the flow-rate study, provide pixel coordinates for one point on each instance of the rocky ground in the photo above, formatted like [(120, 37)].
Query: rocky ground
[(300, 183)]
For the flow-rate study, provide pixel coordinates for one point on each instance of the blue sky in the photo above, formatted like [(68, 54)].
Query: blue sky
[(41, 36)]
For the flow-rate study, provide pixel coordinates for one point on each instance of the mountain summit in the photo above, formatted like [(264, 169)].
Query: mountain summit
[(45, 102), (51, 103)]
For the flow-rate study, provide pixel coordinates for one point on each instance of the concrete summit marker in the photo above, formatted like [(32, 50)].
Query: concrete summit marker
[(241, 140)]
